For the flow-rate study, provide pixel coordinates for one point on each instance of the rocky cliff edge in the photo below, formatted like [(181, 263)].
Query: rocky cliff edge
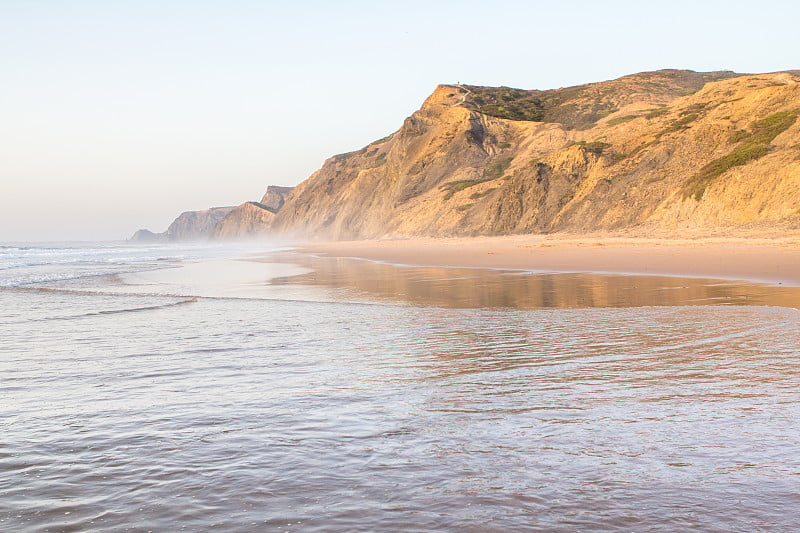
[(658, 151)]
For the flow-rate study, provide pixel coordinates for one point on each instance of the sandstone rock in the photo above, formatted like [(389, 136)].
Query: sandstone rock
[(196, 225), (275, 197), (666, 151), (247, 220), (145, 235)]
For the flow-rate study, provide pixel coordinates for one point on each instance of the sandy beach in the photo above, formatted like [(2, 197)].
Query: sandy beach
[(763, 260)]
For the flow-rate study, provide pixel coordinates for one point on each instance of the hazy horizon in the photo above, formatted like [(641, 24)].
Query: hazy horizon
[(120, 116)]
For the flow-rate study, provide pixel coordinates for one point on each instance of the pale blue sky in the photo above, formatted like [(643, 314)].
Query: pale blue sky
[(116, 115)]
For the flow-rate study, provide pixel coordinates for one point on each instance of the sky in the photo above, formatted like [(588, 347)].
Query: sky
[(120, 115)]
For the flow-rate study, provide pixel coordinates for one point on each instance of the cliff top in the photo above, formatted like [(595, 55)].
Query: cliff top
[(671, 150), (581, 106)]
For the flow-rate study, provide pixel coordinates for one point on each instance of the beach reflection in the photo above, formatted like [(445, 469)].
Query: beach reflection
[(480, 288)]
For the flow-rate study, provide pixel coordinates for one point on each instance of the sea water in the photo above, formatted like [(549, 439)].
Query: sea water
[(200, 388)]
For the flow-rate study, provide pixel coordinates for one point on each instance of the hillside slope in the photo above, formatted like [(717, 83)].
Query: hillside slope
[(251, 219), (196, 225), (236, 222), (662, 150), (246, 220)]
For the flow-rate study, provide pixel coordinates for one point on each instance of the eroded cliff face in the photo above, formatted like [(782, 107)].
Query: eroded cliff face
[(196, 225), (147, 236), (275, 197), (252, 219), (665, 151), (247, 220), (236, 222)]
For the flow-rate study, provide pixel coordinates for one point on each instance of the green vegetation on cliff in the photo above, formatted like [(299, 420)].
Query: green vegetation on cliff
[(618, 155), (580, 107), (754, 144)]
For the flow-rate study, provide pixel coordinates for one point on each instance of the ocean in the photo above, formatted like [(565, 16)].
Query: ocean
[(200, 388)]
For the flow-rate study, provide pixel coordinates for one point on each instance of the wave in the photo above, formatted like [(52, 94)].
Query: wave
[(138, 309), (26, 278), (23, 264), (115, 261), (104, 312)]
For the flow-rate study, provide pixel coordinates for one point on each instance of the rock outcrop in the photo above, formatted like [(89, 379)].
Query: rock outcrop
[(247, 220), (664, 151), (235, 222), (252, 219), (275, 197), (196, 225), (145, 236)]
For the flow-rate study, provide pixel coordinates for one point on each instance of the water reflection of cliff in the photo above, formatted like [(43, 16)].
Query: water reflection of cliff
[(466, 287)]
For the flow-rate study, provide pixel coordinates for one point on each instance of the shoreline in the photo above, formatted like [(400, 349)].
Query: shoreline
[(774, 261)]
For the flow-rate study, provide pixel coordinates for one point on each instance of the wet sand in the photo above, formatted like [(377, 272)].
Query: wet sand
[(348, 279), (762, 260)]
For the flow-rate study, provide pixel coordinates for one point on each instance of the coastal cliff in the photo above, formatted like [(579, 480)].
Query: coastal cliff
[(246, 220), (196, 225), (252, 219), (275, 197), (659, 151)]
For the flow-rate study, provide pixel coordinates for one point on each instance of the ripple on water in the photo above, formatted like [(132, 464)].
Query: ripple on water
[(238, 414)]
